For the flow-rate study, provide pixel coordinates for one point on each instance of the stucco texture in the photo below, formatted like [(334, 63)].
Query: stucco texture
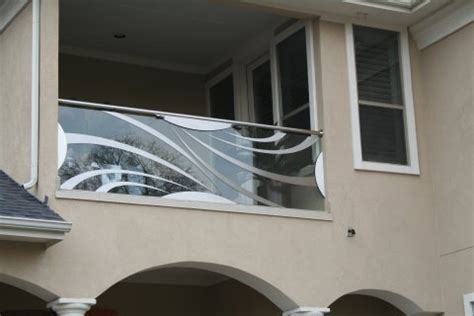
[(448, 79), (312, 262), (15, 100)]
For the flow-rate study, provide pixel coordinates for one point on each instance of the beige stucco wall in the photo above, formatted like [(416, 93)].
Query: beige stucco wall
[(312, 262), (96, 80), (392, 214), (15, 100), (448, 80)]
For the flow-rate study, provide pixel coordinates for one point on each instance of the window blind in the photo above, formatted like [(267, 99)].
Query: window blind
[(381, 111)]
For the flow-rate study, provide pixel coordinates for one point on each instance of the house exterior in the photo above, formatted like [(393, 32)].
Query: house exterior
[(257, 157)]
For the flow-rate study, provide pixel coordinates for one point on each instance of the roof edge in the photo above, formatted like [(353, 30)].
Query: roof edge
[(443, 23), (46, 232)]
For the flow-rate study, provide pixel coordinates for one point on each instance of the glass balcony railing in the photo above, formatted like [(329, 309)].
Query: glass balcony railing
[(121, 150)]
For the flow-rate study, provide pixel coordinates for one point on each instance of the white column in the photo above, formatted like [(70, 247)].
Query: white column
[(71, 306), (307, 311)]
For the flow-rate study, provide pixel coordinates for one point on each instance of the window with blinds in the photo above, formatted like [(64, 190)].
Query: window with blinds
[(381, 108)]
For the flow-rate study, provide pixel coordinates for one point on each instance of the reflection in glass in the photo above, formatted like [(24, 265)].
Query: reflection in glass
[(221, 97), (382, 134), (145, 155), (293, 74), (262, 94)]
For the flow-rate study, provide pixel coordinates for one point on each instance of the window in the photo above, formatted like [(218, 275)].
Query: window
[(276, 88), (469, 304), (260, 91), (220, 98), (383, 121), (293, 68)]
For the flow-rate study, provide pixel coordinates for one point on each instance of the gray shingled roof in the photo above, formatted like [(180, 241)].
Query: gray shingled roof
[(15, 201)]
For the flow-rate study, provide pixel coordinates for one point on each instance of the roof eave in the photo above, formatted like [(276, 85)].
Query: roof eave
[(46, 232)]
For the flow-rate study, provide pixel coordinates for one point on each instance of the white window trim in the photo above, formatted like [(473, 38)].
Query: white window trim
[(409, 112), (215, 80), (310, 55), (390, 5), (468, 304)]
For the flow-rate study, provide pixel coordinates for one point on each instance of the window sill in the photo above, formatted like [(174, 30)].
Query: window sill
[(386, 167), (204, 206)]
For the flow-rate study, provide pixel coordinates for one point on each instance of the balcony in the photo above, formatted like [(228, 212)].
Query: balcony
[(130, 151)]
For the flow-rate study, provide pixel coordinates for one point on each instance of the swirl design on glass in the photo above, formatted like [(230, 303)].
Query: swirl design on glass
[(189, 159)]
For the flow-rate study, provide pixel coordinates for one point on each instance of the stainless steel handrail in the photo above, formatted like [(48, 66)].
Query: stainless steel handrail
[(102, 106)]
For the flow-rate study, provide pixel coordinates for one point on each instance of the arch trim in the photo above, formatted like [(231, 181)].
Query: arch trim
[(271, 292), (29, 287)]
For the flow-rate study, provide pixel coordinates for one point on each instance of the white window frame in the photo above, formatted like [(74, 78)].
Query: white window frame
[(310, 55), (215, 80), (409, 113), (468, 304)]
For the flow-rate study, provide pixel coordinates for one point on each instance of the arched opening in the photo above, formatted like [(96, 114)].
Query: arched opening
[(17, 302), (23, 298), (363, 305), (371, 302), (191, 288)]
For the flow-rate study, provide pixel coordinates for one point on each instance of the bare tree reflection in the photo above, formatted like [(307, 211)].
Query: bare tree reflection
[(88, 157), (201, 161)]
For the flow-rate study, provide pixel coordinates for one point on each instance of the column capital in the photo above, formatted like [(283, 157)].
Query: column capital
[(71, 306), (307, 311)]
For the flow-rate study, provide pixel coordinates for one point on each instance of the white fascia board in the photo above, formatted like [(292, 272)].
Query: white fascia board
[(33, 230), (9, 10), (392, 5), (443, 23)]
